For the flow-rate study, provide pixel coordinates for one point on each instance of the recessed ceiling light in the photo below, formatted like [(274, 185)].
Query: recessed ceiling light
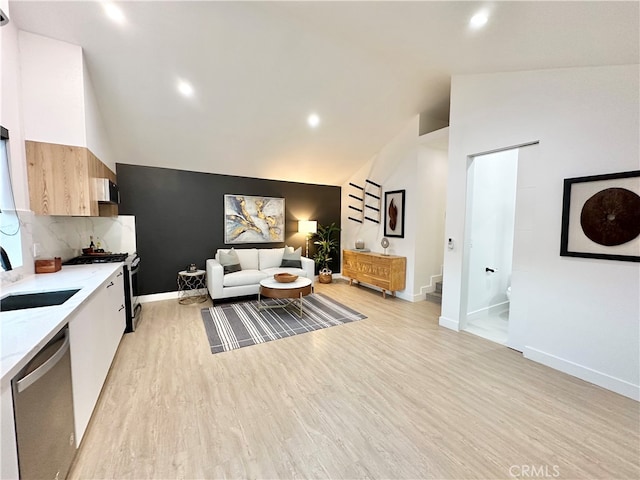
[(114, 12), (479, 20), (185, 88), (313, 120)]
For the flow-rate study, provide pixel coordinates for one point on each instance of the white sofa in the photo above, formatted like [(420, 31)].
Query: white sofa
[(257, 264)]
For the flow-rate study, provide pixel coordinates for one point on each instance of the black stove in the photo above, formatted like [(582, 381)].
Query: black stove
[(97, 258)]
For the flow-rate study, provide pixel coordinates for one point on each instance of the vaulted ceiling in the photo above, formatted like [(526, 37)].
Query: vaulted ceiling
[(258, 69)]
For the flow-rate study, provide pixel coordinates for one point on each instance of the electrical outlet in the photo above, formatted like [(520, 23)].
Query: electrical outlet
[(37, 250)]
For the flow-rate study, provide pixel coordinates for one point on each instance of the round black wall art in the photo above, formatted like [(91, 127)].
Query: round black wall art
[(611, 217)]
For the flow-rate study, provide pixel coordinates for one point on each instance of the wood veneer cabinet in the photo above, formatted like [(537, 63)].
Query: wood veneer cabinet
[(387, 272), (62, 180)]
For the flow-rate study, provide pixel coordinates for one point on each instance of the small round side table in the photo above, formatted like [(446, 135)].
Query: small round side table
[(192, 287)]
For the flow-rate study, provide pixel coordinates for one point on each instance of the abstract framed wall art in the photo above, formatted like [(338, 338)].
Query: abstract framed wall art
[(251, 219), (601, 217), (394, 214)]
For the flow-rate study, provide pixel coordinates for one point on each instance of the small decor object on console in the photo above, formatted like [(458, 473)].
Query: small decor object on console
[(191, 268), (285, 277), (360, 246), (384, 243)]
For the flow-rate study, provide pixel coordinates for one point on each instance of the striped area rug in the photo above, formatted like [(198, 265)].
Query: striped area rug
[(237, 325)]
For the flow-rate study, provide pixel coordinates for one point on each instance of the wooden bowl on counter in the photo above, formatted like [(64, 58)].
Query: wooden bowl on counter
[(48, 265), (285, 277)]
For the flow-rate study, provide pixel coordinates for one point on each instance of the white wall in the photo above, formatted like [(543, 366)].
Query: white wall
[(52, 90), (11, 119), (432, 195), (97, 137), (394, 168), (577, 315), (405, 164), (58, 99)]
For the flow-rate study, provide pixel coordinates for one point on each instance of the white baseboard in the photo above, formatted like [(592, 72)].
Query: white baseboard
[(585, 373), (449, 323), (406, 296), (157, 297), (420, 297)]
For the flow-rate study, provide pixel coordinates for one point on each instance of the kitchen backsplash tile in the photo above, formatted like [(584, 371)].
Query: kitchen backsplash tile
[(66, 236)]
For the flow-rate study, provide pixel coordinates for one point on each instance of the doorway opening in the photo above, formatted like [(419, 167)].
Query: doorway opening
[(489, 238)]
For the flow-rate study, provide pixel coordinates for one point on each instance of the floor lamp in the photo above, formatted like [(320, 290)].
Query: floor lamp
[(308, 227)]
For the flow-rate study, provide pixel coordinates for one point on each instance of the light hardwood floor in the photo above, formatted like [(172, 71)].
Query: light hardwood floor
[(391, 396)]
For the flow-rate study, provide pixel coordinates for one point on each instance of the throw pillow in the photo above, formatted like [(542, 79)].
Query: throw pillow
[(230, 261), (291, 258)]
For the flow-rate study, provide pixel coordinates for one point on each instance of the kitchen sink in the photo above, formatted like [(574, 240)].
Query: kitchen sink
[(20, 301)]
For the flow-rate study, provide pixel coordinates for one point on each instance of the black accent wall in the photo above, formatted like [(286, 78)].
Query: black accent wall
[(180, 216)]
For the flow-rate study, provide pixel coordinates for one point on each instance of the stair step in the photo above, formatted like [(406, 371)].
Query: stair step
[(435, 297)]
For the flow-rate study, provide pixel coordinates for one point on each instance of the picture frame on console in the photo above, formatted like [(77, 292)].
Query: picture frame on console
[(253, 219), (394, 205), (601, 217)]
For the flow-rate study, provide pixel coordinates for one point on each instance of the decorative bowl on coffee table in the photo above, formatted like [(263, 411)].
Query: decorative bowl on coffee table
[(285, 277)]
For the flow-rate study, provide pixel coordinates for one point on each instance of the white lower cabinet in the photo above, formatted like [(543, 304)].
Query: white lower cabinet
[(95, 332)]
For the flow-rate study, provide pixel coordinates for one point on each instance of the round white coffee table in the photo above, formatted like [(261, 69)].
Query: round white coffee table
[(271, 288)]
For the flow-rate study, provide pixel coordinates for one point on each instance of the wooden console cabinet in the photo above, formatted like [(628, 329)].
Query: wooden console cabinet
[(387, 272)]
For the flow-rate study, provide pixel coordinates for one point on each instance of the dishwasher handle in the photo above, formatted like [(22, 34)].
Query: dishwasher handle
[(39, 372)]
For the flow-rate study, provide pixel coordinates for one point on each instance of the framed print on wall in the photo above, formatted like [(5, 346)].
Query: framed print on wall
[(601, 217), (394, 214), (250, 219)]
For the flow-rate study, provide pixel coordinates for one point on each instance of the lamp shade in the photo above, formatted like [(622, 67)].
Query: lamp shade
[(307, 226)]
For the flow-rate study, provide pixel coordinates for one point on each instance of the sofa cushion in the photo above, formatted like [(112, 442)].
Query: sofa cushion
[(270, 257), (291, 258), (248, 257), (243, 277), (229, 261)]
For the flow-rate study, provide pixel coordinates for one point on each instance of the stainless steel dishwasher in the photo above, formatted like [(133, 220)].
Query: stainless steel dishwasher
[(43, 411)]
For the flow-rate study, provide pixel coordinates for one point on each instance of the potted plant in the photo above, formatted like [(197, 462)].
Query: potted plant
[(327, 246)]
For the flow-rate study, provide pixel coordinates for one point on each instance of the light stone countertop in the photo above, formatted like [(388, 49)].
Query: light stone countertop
[(23, 333)]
